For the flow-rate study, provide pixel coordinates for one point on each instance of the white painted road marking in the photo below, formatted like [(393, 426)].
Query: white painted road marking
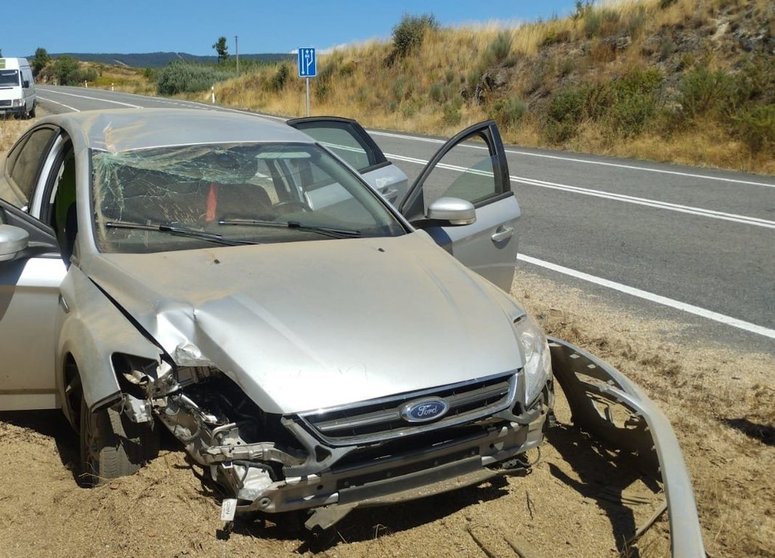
[(658, 299), (651, 297), (58, 103), (744, 219), (92, 98), (585, 161), (710, 213)]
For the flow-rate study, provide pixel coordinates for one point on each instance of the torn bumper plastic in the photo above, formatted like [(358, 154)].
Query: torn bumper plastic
[(589, 385)]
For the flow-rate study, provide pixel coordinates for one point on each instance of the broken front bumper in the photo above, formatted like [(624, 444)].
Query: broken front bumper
[(358, 478), (590, 384)]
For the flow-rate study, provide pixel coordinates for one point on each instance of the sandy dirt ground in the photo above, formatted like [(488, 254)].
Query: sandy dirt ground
[(580, 499)]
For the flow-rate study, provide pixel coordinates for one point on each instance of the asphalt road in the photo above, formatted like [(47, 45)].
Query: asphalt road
[(692, 245)]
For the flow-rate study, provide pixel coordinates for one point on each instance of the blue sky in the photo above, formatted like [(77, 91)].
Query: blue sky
[(262, 26)]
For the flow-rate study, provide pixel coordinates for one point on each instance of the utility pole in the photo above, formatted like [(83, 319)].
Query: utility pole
[(236, 50)]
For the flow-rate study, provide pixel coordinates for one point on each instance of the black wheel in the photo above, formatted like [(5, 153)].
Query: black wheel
[(112, 445), (32, 112)]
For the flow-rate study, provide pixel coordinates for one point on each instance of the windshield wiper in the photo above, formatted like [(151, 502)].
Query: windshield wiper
[(176, 230), (295, 225)]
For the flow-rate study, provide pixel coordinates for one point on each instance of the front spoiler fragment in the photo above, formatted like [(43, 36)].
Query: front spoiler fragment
[(587, 380)]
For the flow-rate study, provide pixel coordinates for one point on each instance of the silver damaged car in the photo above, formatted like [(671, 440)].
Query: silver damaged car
[(314, 342)]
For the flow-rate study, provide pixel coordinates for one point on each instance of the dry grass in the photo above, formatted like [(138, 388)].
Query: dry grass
[(10, 130), (718, 399), (435, 90), (125, 79)]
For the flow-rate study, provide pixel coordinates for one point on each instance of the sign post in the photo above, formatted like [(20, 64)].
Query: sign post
[(307, 63)]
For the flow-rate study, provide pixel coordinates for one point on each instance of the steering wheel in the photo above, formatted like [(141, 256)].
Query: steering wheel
[(291, 204)]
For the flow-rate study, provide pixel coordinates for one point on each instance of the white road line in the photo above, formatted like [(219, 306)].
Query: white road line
[(92, 98), (651, 297), (58, 103), (584, 161), (735, 218), (709, 213)]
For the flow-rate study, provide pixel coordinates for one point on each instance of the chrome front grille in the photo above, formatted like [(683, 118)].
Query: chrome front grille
[(380, 419)]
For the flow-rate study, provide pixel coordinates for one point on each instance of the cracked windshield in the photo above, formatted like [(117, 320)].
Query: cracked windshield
[(187, 197)]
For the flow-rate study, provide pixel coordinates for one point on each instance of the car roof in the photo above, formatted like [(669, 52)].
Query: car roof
[(131, 129)]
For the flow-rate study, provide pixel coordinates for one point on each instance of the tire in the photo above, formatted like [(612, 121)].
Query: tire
[(32, 112), (113, 446)]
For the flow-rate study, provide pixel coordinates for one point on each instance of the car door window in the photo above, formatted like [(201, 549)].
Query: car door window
[(25, 162), (469, 168), (344, 137)]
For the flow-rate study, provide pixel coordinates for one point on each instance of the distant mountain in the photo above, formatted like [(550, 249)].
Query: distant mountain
[(161, 59)]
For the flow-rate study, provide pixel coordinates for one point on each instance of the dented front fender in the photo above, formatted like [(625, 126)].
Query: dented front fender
[(587, 380)]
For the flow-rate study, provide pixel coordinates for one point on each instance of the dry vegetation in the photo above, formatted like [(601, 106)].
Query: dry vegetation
[(125, 79), (10, 130), (672, 80), (720, 401)]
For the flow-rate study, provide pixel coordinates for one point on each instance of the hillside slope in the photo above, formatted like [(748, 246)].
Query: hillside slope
[(670, 80)]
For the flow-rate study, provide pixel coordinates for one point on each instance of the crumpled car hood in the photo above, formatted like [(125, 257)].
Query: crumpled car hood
[(309, 325)]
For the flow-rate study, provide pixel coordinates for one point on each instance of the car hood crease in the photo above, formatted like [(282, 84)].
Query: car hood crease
[(342, 320)]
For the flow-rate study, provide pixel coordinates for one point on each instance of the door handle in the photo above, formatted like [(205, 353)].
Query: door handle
[(63, 304), (502, 233)]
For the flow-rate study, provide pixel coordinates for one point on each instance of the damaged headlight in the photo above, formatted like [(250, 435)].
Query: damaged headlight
[(535, 351)]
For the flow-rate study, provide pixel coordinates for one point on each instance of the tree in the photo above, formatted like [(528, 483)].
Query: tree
[(66, 70), (222, 49), (41, 59)]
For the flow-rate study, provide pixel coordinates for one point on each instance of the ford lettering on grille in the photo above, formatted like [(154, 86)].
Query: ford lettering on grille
[(424, 411)]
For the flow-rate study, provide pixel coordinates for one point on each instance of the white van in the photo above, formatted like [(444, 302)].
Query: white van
[(17, 88)]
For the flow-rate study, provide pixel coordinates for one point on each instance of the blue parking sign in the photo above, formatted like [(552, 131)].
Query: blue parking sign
[(307, 62)]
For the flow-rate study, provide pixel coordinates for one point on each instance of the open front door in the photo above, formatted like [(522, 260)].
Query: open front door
[(29, 281), (472, 166), (347, 139)]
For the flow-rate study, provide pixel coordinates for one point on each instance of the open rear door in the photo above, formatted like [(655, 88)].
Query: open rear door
[(472, 166), (354, 145)]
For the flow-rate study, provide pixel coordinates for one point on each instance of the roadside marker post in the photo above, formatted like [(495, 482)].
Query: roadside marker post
[(307, 64)]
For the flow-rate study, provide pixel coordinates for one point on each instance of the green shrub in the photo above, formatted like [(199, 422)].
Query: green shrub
[(553, 37), (704, 92), (182, 77), (756, 127), (399, 89), (498, 50), (625, 104), (280, 77), (508, 112), (63, 68), (635, 20), (603, 22), (410, 32), (756, 81), (564, 114), (322, 83), (592, 22), (322, 89), (438, 93), (451, 113)]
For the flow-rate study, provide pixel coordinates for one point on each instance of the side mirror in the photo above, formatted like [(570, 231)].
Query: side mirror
[(12, 241), (453, 210), (26, 84)]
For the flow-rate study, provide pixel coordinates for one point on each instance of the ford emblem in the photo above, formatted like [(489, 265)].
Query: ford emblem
[(424, 411)]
